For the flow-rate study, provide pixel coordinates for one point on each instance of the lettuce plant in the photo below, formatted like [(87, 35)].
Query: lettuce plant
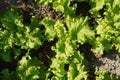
[(69, 63)]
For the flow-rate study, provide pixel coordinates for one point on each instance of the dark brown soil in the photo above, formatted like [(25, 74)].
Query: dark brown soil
[(29, 8), (44, 53), (110, 61), (84, 11), (3, 6)]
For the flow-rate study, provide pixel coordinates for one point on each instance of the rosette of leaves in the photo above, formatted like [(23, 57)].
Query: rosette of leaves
[(67, 55), (79, 30), (68, 64), (28, 36), (28, 69), (108, 28)]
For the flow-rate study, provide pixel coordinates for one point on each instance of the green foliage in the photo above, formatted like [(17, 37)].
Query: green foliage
[(103, 75), (68, 63), (29, 68), (76, 69), (6, 75), (108, 29), (67, 55), (49, 29), (96, 5), (79, 30), (16, 33), (64, 7), (60, 6), (74, 60), (43, 1), (5, 55)]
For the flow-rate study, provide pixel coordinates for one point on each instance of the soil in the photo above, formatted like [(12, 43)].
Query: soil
[(109, 61)]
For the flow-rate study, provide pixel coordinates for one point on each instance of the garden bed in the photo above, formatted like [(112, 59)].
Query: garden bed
[(109, 60)]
